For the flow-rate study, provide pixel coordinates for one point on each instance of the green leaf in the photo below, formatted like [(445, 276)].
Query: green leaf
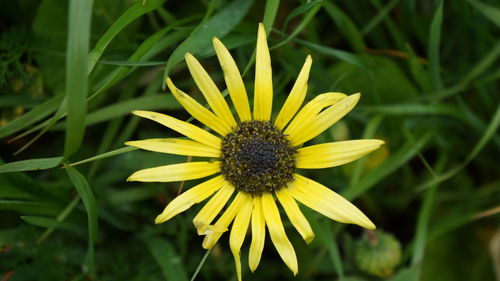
[(490, 12), (106, 155), (485, 138), (391, 164), (166, 257), (138, 9), (48, 223), (80, 15), (87, 196), (299, 11), (346, 26), (217, 26), (30, 165), (39, 112), (434, 46)]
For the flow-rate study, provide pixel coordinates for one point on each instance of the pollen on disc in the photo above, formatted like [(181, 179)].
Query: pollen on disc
[(257, 157)]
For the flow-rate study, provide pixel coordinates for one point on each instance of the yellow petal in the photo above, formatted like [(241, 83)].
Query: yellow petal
[(277, 232), (311, 109), (213, 207), (234, 83), (324, 120), (224, 221), (296, 97), (187, 129), (210, 91), (334, 153), (176, 172), (198, 111), (176, 146), (295, 215), (263, 95), (323, 200), (190, 197), (258, 234), (239, 231)]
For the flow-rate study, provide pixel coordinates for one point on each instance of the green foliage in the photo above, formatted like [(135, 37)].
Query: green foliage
[(72, 71)]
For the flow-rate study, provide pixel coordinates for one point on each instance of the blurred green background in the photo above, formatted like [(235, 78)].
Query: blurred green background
[(71, 72)]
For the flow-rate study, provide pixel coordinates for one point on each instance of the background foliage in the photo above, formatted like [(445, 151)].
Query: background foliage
[(71, 72)]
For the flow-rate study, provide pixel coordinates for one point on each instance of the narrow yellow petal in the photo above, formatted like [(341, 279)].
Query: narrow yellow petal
[(324, 120), (176, 146), (224, 221), (295, 215), (213, 207), (239, 231), (333, 154), (311, 109), (263, 95), (187, 129), (323, 200), (190, 197), (210, 90), (198, 111), (176, 172), (277, 232), (296, 97), (258, 234), (234, 82)]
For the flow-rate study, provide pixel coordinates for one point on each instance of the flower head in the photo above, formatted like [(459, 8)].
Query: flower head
[(257, 157)]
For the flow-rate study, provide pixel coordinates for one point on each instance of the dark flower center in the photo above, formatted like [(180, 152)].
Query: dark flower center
[(256, 158)]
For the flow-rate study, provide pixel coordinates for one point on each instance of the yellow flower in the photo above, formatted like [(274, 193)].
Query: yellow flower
[(257, 157)]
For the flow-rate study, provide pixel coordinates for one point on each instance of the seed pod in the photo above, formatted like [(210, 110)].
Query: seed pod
[(377, 253)]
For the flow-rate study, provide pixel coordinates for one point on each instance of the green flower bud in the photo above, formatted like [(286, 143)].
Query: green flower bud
[(377, 253)]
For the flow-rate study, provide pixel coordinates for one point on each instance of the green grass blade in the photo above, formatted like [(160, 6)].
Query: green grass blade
[(36, 114), (30, 165), (307, 18), (217, 26), (80, 16), (339, 54), (492, 13), (166, 257), (327, 237), (87, 196), (346, 26), (105, 155), (485, 138), (379, 17), (270, 12), (434, 46), (391, 164), (299, 11), (138, 9)]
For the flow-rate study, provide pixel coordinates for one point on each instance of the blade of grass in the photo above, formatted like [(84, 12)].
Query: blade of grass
[(492, 13), (307, 18), (382, 13), (434, 46), (396, 160), (166, 257), (105, 155), (424, 214), (346, 26), (87, 196), (299, 11), (30, 165), (135, 11), (80, 15), (217, 26), (39, 112), (485, 138)]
